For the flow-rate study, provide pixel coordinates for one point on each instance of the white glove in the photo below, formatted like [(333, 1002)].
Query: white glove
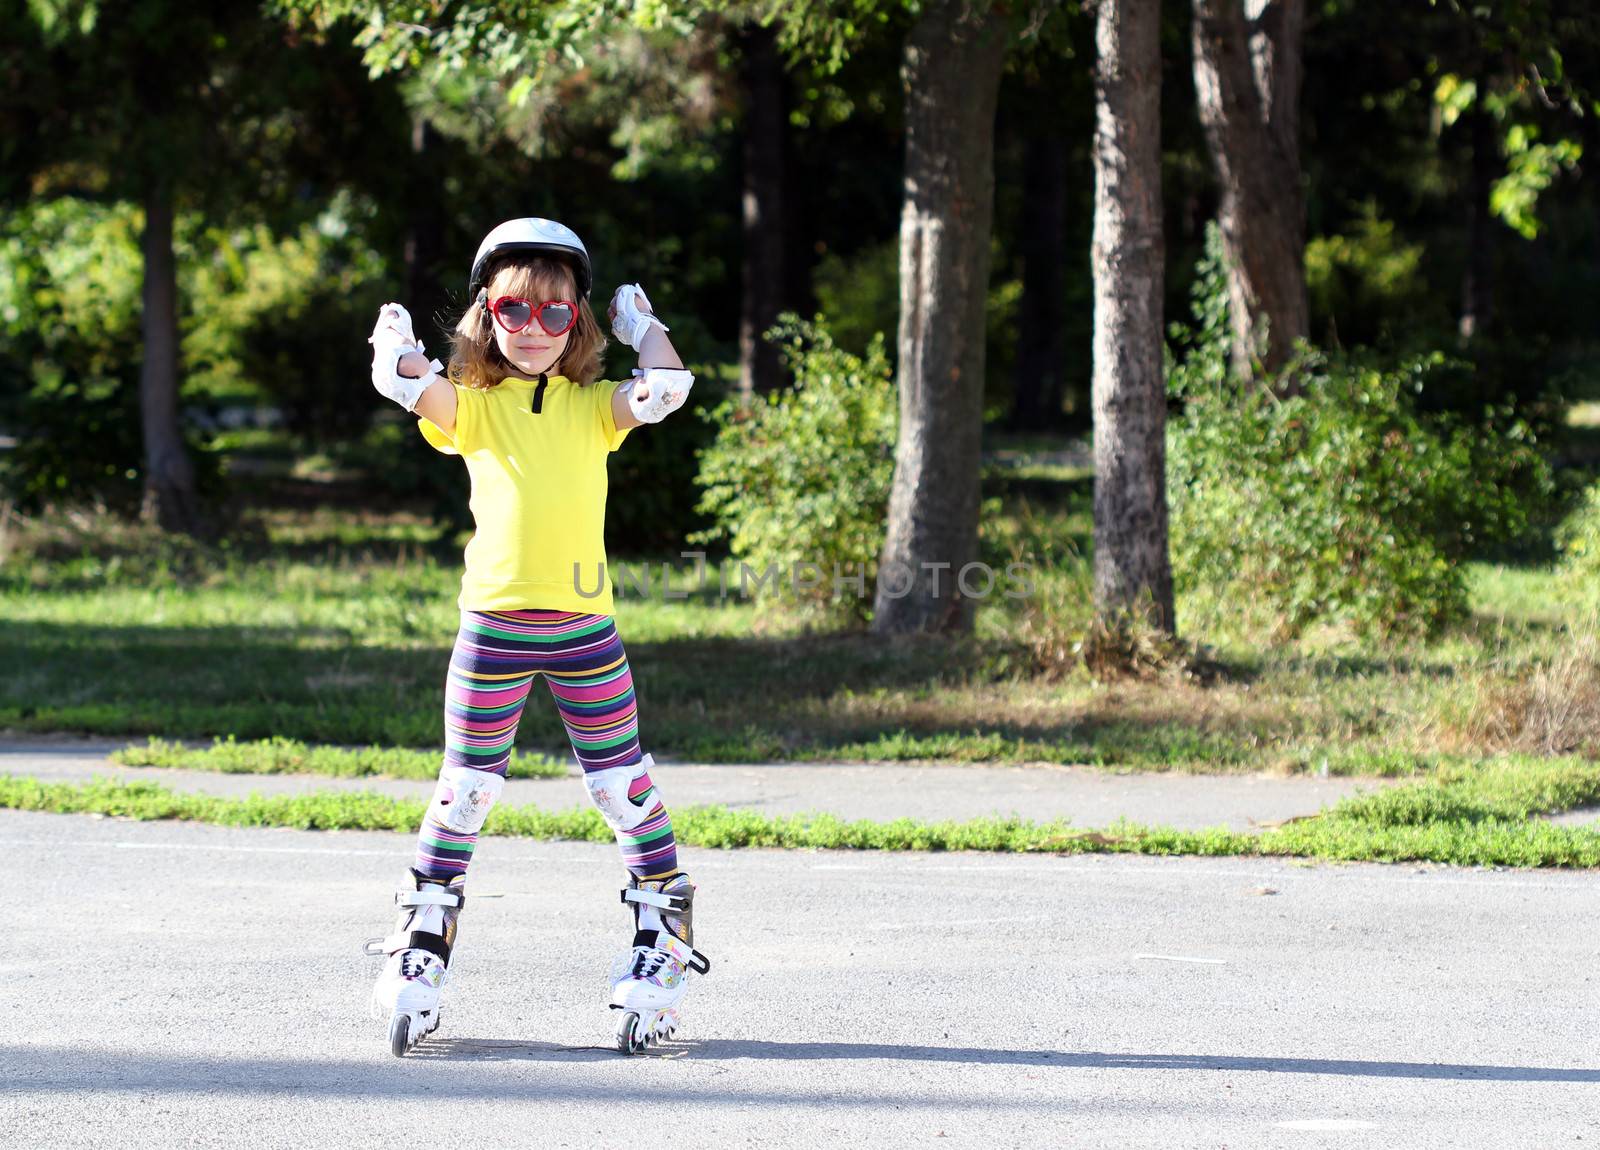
[(658, 392), (391, 340), (628, 322)]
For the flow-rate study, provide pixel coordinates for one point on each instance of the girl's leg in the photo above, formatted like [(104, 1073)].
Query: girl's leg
[(593, 688), (488, 682), (491, 670), (588, 675)]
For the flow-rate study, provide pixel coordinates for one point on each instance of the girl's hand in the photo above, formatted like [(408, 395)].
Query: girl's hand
[(631, 316), (640, 302), (414, 365), (394, 345)]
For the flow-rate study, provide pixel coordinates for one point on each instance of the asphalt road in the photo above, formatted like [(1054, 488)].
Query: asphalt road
[(172, 984)]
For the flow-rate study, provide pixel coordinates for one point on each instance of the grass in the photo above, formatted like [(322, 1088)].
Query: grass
[(334, 627), (280, 756), (1467, 814)]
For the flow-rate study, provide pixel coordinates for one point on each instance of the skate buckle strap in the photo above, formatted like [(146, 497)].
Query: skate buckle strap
[(388, 944), (658, 899), (428, 896), (682, 951)]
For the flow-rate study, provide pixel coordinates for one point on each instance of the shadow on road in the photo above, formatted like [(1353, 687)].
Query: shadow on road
[(63, 1069), (466, 1049)]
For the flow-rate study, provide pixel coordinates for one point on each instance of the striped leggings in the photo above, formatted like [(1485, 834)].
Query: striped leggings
[(496, 657)]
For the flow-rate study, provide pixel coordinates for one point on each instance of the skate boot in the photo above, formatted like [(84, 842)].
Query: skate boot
[(417, 958), (648, 982)]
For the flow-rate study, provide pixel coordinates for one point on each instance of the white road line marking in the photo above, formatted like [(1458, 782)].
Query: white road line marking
[(1033, 919), (1182, 958), (1327, 1124)]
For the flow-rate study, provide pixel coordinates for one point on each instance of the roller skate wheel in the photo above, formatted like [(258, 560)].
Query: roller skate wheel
[(631, 1036), (399, 1034)]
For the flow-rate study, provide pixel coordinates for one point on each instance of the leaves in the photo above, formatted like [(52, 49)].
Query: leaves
[(1532, 167), (1341, 504), (802, 475)]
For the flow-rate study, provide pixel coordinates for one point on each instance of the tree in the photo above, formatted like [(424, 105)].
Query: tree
[(764, 207), (1132, 570), (175, 106), (951, 64), (951, 74), (1247, 70)]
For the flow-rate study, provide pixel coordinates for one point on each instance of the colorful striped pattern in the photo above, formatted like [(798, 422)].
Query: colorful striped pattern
[(496, 657)]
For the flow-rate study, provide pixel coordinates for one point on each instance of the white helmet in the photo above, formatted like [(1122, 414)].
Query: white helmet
[(532, 234)]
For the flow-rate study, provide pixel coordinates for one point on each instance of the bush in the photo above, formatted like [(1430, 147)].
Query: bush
[(1578, 537), (286, 315), (649, 509), (803, 475), (70, 277), (1366, 285), (1340, 504)]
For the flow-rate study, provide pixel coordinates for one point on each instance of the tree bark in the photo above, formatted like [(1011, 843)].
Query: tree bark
[(1041, 346), (1132, 570), (1477, 286), (765, 237), (425, 228), (1247, 76), (170, 498), (951, 75)]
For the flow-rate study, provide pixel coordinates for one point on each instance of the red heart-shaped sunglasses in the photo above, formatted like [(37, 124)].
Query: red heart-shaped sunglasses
[(555, 316)]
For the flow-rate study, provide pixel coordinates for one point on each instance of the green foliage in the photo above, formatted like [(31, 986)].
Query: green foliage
[(1338, 504), (649, 507), (1578, 537), (70, 275), (283, 315), (1366, 283), (260, 314), (1531, 167), (802, 476), (859, 295)]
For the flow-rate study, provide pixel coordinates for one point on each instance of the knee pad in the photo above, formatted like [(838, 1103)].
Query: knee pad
[(613, 789), (463, 797)]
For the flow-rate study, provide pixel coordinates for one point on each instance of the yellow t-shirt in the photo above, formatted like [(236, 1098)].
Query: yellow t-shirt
[(538, 493)]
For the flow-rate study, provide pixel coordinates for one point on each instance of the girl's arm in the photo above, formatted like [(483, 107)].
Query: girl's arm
[(655, 350), (438, 403)]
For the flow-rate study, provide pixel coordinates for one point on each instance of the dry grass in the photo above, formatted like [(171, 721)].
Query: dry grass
[(1549, 707)]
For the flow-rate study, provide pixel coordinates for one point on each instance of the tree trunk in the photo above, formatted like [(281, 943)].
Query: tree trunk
[(1132, 571), (1477, 287), (1247, 78), (169, 488), (425, 228), (765, 126), (951, 76), (1041, 344)]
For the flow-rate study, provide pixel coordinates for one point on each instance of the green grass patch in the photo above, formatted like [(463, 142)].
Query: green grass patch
[(335, 627), (1470, 816), (281, 756)]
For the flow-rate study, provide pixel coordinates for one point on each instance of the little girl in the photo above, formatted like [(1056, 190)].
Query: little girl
[(522, 408)]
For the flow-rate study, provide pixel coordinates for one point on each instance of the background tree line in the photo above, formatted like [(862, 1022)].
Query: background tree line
[(205, 203)]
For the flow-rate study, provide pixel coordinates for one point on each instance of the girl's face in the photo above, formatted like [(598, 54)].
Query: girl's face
[(532, 350)]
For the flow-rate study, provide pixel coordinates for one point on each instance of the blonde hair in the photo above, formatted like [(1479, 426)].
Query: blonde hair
[(475, 359)]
